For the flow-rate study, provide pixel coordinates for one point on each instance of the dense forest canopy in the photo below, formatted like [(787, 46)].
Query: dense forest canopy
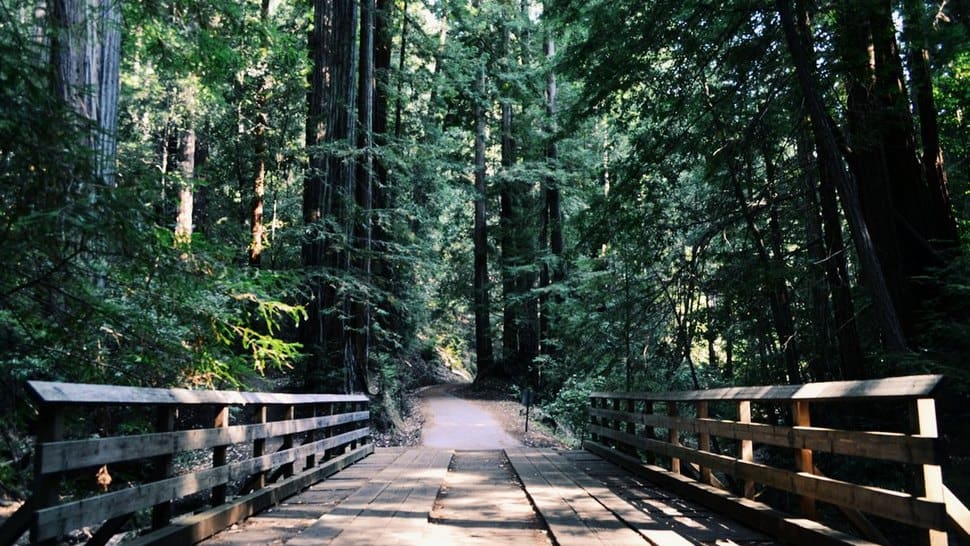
[(565, 195)]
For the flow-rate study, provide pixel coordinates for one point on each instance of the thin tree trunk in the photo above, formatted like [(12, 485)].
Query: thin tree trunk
[(183, 222), (256, 227), (483, 329), (364, 192)]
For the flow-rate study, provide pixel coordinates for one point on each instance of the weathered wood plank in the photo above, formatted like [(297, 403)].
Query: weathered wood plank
[(758, 515), (893, 387), (197, 527), (654, 531), (957, 513), (381, 497), (895, 505), (887, 446), (574, 516), (86, 394), (70, 455), (58, 520)]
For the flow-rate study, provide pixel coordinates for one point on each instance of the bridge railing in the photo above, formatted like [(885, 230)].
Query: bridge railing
[(718, 435), (177, 450)]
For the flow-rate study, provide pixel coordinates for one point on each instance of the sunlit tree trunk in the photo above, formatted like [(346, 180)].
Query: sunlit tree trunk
[(186, 164), (256, 226), (86, 54)]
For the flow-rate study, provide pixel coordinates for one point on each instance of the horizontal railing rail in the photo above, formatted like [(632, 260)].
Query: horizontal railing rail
[(681, 431), (172, 450)]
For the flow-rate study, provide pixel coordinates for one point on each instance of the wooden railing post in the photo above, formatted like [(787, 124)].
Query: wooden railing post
[(219, 455), (746, 446), (704, 440), (288, 415), (930, 480), (673, 436), (649, 431), (311, 436), (259, 447), (631, 427), (164, 467), (50, 429), (593, 420), (803, 457)]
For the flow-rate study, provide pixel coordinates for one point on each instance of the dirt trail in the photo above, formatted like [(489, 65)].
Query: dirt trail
[(454, 423)]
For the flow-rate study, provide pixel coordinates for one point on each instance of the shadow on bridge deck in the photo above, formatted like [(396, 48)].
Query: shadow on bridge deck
[(517, 496)]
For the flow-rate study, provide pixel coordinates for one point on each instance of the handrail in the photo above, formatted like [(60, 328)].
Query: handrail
[(281, 444), (624, 428)]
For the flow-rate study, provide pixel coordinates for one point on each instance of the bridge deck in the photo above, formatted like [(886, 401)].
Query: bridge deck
[(519, 496)]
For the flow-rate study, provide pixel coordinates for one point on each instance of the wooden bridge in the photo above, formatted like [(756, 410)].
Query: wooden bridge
[(737, 466)]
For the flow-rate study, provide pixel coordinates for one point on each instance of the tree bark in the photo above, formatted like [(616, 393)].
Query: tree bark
[(362, 217), (483, 329), (832, 171), (86, 55), (256, 227), (943, 229), (183, 221), (328, 194)]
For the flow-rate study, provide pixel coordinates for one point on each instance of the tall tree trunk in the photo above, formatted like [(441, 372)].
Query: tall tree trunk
[(328, 193), (483, 329), (314, 202), (85, 56), (362, 217), (943, 228), (183, 221), (507, 226), (835, 261), (832, 172), (899, 205), (256, 227)]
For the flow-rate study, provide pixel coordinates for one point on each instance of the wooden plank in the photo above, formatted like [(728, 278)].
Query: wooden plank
[(931, 486), (957, 513), (912, 386), (70, 455), (165, 467), (392, 481), (573, 516), (219, 456), (654, 531), (673, 437), (799, 531), (56, 521), (402, 508), (194, 528), (87, 394), (895, 505), (887, 446), (704, 442), (45, 489), (746, 446), (803, 457)]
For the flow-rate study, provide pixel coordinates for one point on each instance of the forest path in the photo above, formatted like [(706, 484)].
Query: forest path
[(456, 423)]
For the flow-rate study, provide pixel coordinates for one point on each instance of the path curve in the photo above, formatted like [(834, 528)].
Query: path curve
[(454, 423)]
